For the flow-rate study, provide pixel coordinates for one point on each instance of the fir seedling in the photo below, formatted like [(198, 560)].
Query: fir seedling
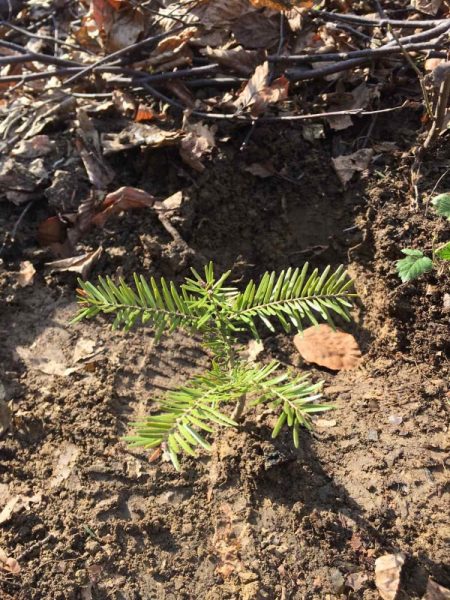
[(205, 305), (416, 263)]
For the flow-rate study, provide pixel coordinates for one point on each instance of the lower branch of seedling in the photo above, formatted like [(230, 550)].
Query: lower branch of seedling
[(204, 306)]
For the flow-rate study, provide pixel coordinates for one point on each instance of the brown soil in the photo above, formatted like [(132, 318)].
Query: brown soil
[(257, 520)]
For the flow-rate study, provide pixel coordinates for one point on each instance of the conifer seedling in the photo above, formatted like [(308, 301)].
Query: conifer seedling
[(204, 304)]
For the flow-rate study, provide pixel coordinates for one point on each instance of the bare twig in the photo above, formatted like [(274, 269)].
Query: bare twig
[(416, 69), (45, 38), (122, 52), (248, 119), (368, 53), (376, 22)]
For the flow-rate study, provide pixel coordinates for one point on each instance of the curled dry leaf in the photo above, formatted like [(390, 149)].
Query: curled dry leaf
[(26, 274), (346, 166), (436, 591), (125, 198), (7, 563), (388, 570), (139, 134), (328, 348), (77, 264), (198, 141)]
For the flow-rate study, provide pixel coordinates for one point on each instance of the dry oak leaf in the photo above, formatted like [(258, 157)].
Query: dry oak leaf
[(388, 569), (429, 7), (8, 563), (346, 166), (436, 591), (329, 348), (257, 93), (198, 141)]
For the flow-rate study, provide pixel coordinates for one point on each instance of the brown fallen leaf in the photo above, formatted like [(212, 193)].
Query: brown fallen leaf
[(26, 274), (125, 198), (355, 581), (67, 457), (39, 145), (16, 504), (7, 563), (346, 166), (256, 30), (139, 134), (328, 348), (238, 59), (263, 170), (77, 264), (198, 141), (429, 7), (257, 93), (99, 172), (436, 592), (388, 569)]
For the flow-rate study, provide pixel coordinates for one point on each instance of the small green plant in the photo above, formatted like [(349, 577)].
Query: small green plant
[(204, 305), (416, 263)]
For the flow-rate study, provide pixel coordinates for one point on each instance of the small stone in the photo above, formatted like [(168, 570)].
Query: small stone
[(372, 435), (248, 576), (395, 419), (446, 303), (187, 529)]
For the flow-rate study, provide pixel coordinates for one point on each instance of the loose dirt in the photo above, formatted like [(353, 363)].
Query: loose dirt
[(258, 519)]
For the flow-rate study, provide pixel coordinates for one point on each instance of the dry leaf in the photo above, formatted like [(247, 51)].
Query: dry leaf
[(238, 59), (388, 569), (325, 423), (84, 348), (16, 504), (124, 102), (139, 134), (252, 351), (127, 27), (257, 93), (125, 198), (9, 564), (198, 141), (99, 172), (328, 348), (355, 581), (220, 13), (40, 145), (26, 274), (429, 7), (346, 166), (77, 264), (436, 591), (263, 170), (66, 462), (256, 30)]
